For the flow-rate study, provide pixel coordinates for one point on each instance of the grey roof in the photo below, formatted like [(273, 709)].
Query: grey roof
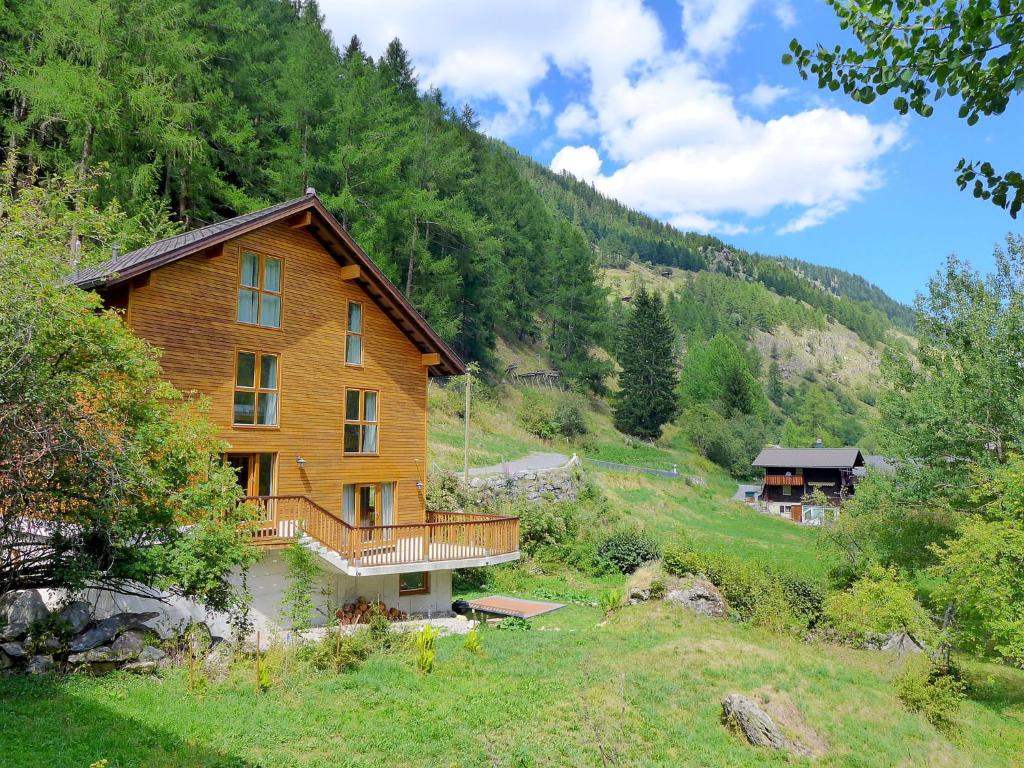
[(817, 458), (91, 276), (877, 463)]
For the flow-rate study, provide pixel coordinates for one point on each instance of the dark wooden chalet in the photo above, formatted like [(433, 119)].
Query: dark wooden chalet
[(792, 475)]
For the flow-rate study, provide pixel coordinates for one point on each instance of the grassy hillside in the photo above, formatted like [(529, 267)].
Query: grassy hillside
[(641, 689)]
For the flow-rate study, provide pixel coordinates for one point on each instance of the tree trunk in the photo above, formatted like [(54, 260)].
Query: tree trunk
[(90, 132), (412, 258)]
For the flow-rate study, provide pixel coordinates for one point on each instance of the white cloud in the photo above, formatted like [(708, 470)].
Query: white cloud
[(763, 95), (785, 13), (711, 26), (582, 162), (663, 133), (574, 121)]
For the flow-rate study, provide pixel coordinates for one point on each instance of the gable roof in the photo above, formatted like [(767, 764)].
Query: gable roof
[(814, 458), (324, 227)]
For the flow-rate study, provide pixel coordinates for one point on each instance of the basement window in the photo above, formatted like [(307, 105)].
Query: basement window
[(417, 583)]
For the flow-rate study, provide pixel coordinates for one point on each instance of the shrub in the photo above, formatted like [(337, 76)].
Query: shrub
[(338, 651), (629, 549), (426, 638), (473, 643), (931, 690), (545, 525), (610, 600), (658, 589), (878, 603), (515, 624), (756, 591), (465, 579), (570, 421)]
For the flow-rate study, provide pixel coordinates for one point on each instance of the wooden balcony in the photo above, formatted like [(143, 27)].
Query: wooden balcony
[(783, 479), (447, 539)]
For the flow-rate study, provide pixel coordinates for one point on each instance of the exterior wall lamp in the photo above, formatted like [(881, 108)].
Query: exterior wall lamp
[(301, 462)]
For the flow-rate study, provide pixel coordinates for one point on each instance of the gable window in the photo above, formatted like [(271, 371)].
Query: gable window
[(354, 334), (259, 290), (256, 389), (360, 421), (417, 583)]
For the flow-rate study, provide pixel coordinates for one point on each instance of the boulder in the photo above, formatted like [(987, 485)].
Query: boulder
[(127, 646), (6, 662), (106, 630), (637, 595), (40, 665), (151, 653), (746, 718), (700, 596), (14, 650), (76, 616), (46, 644), (24, 610), (900, 643), (140, 667)]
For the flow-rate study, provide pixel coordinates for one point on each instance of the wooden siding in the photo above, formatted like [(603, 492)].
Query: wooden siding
[(188, 310)]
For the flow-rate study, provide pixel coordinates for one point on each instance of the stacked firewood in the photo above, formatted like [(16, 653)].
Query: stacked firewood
[(360, 612)]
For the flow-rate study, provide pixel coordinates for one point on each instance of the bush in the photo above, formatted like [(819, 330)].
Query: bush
[(879, 603), (931, 690), (629, 549), (570, 420), (514, 624), (567, 419), (756, 591), (466, 579), (545, 525)]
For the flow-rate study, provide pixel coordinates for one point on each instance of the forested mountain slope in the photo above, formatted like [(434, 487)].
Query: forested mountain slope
[(187, 112)]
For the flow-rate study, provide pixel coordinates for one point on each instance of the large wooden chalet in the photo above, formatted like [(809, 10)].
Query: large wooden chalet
[(316, 368), (792, 475)]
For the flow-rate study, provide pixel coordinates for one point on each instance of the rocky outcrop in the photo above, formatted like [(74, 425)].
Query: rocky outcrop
[(106, 630), (900, 643), (745, 717), (98, 646), (23, 609), (557, 484), (700, 596)]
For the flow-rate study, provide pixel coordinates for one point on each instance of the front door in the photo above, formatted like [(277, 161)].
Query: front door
[(254, 472)]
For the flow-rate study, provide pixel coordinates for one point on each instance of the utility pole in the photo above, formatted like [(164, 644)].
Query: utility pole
[(470, 370)]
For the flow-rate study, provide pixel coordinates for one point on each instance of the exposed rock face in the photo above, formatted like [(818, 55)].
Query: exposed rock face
[(745, 717), (23, 610), (900, 643), (106, 630), (702, 597), (76, 615)]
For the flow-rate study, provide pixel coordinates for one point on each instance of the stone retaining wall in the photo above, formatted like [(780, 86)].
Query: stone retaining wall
[(557, 484)]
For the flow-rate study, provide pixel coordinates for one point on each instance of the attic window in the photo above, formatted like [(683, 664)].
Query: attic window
[(259, 291), (354, 335)]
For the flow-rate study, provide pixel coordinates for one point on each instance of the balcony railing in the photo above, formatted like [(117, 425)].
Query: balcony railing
[(783, 479), (445, 536)]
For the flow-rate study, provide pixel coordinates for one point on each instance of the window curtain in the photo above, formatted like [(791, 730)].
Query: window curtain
[(387, 506), (348, 504)]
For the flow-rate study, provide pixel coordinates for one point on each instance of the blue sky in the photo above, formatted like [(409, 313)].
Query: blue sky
[(681, 108)]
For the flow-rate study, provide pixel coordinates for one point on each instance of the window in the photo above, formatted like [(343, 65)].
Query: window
[(360, 421), (414, 583), (787, 490), (354, 334), (256, 386), (259, 292)]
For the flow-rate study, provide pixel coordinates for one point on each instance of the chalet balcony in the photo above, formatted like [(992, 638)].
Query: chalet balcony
[(446, 540), (791, 480)]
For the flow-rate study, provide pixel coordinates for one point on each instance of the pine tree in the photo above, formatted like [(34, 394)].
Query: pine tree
[(647, 397), (775, 391)]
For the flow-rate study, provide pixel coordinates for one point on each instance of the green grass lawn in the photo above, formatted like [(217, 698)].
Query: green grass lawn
[(642, 689)]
